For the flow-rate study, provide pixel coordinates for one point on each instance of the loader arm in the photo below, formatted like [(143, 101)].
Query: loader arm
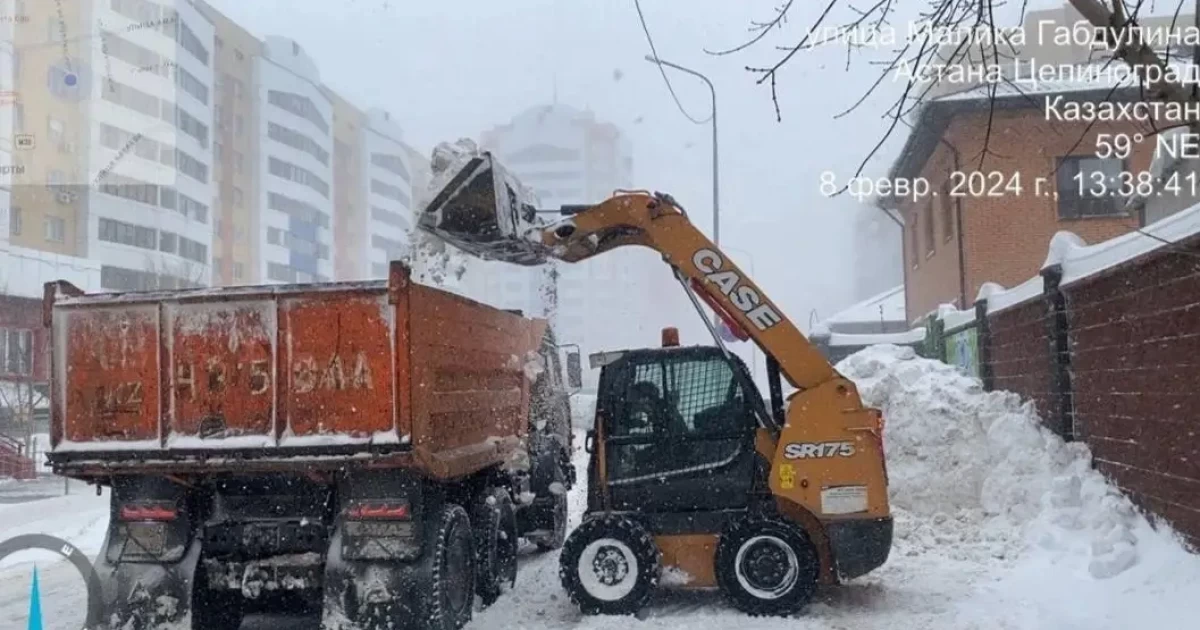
[(658, 223)]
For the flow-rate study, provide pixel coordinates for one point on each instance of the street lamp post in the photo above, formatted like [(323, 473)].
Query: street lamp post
[(716, 179)]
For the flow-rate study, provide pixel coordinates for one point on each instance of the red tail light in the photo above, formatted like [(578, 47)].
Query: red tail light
[(390, 511), (148, 512)]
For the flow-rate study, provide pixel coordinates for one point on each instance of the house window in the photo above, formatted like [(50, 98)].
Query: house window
[(947, 202), (1088, 187), (16, 351), (56, 229), (928, 225)]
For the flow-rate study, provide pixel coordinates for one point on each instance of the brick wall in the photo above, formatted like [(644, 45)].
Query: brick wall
[(1135, 359), (1126, 380), (1019, 346), (1005, 236)]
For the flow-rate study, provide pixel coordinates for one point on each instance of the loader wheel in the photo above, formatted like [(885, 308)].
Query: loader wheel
[(495, 523), (609, 566), (766, 566), (451, 589)]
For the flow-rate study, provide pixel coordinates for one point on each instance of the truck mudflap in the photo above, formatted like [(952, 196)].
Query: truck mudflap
[(366, 595), (147, 595)]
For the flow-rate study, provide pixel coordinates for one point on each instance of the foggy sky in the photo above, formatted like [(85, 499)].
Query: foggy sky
[(449, 69)]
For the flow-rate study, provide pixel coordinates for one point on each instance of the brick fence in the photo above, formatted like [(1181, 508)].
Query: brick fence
[(1111, 358)]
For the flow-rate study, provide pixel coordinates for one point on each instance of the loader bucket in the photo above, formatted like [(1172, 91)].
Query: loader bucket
[(482, 210)]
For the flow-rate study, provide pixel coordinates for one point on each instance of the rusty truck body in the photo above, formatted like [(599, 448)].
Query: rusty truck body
[(371, 450)]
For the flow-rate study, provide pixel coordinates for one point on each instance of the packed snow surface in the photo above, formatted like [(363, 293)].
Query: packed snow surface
[(999, 525)]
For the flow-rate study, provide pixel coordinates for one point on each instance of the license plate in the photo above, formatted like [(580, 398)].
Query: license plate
[(147, 538)]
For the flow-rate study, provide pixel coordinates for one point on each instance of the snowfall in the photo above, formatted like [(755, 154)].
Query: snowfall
[(999, 524)]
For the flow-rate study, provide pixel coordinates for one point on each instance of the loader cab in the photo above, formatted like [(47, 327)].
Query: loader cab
[(674, 432)]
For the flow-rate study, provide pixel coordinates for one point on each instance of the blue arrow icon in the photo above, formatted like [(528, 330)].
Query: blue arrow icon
[(35, 604)]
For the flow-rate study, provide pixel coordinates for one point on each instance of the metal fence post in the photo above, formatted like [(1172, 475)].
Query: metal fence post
[(984, 340), (1058, 335)]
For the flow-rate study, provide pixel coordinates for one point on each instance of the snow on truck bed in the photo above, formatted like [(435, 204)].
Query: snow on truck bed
[(999, 525)]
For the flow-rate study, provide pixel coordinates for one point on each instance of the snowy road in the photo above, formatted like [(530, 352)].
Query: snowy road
[(999, 526)]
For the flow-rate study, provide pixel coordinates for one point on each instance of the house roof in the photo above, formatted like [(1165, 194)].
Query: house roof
[(936, 114), (868, 310)]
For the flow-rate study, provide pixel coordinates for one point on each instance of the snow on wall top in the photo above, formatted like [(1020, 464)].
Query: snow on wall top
[(1080, 260), (955, 318), (891, 302), (1019, 294)]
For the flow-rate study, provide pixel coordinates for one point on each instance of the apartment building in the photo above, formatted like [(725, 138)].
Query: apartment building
[(567, 156), (350, 220), (235, 151), (113, 105), (373, 186), (389, 193), (295, 166), (7, 106)]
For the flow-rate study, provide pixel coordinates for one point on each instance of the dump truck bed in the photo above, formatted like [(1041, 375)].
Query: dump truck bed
[(383, 373)]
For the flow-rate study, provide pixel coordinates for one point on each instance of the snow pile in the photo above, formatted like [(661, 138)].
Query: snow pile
[(977, 472)]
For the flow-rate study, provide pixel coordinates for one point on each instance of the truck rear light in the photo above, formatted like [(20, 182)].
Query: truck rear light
[(379, 511), (148, 512)]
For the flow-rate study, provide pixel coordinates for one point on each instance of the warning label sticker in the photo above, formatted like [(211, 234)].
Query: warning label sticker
[(844, 499)]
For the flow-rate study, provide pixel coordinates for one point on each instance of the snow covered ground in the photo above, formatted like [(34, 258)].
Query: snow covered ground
[(999, 525)]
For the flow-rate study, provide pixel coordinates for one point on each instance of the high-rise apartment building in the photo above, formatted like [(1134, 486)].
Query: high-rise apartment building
[(389, 193), (236, 151), (295, 166), (567, 156), (113, 111), (350, 220), (373, 184)]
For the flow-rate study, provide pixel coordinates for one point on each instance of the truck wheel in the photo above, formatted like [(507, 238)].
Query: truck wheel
[(495, 523), (555, 516), (766, 566), (609, 566), (451, 592)]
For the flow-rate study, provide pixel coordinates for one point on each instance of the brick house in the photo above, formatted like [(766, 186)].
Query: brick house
[(954, 243), (24, 360)]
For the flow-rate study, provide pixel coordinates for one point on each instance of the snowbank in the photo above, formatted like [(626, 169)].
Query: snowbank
[(977, 472)]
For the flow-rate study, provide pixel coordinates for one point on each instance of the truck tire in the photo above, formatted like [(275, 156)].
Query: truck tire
[(495, 522), (766, 566), (448, 600), (555, 515), (609, 566)]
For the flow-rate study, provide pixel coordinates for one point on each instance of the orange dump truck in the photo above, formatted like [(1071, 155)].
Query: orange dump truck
[(373, 451)]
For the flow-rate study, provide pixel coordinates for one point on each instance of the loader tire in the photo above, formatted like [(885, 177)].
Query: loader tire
[(450, 595), (495, 522), (766, 566), (610, 566)]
